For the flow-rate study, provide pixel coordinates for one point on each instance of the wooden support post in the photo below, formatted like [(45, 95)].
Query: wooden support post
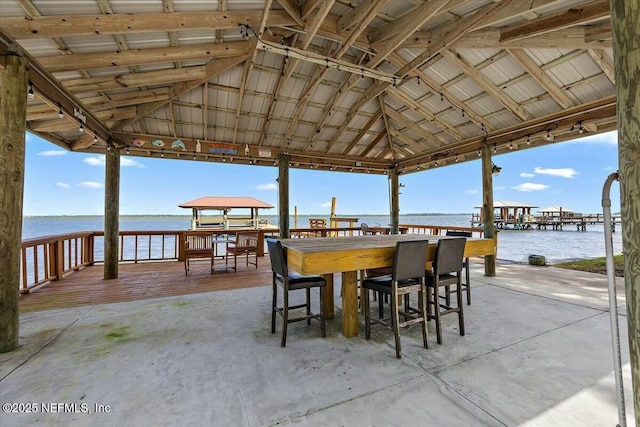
[(625, 21), (111, 213), (283, 195), (350, 299), (329, 310), (487, 208), (394, 194), (13, 119)]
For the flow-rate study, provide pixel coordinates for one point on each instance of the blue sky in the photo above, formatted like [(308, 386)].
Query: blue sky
[(570, 174)]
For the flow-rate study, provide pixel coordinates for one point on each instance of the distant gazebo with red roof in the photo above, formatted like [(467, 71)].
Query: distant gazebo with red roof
[(224, 205)]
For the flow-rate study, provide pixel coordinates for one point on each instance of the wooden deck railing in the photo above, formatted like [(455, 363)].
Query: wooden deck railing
[(49, 258)]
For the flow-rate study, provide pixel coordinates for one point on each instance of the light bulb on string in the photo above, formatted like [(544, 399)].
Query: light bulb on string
[(30, 93), (60, 113), (81, 128)]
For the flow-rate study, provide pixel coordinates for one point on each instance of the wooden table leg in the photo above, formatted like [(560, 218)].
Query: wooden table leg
[(328, 297), (349, 304)]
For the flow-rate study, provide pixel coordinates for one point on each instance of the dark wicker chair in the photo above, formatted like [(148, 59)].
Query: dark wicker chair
[(407, 276), (447, 271), (364, 230), (467, 280), (292, 282)]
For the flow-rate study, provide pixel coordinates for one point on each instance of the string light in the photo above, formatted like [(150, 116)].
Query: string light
[(30, 93), (60, 113), (162, 153), (95, 138), (580, 129), (528, 139), (510, 145), (81, 129), (548, 136), (127, 150), (495, 149)]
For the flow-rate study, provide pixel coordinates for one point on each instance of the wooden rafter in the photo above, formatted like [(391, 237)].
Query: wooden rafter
[(317, 20), (356, 22), (87, 61), (309, 6), (541, 78), (90, 25), (293, 9), (489, 38), (387, 129), (213, 68), (413, 127), (600, 58), (403, 28), (577, 16), (415, 106), (363, 132), (456, 59), (447, 34)]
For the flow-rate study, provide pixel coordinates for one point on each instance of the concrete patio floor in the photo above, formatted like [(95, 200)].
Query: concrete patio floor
[(537, 352)]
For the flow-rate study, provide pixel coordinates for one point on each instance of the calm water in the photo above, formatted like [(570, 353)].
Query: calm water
[(512, 245)]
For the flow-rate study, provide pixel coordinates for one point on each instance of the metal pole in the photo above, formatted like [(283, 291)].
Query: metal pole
[(613, 299)]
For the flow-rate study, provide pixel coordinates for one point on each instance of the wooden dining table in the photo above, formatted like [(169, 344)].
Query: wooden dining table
[(348, 255)]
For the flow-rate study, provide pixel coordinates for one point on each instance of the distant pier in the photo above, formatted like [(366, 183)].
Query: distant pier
[(544, 222)]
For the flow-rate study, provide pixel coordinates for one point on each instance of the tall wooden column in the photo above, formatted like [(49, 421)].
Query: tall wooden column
[(13, 119), (625, 21), (111, 213), (487, 207), (283, 195), (394, 195)]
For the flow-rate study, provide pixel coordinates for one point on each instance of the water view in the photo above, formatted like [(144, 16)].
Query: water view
[(513, 245)]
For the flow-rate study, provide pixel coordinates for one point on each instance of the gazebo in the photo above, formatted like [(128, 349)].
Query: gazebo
[(224, 205), (376, 86)]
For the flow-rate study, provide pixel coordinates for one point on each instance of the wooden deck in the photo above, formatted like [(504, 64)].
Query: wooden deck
[(143, 281)]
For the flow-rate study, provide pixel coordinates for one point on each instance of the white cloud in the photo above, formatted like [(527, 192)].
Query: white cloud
[(127, 162), (52, 153), (269, 186), (62, 185), (325, 204), (124, 162), (527, 175), (471, 191), (90, 184), (499, 187), (562, 172), (608, 138), (95, 161), (530, 186)]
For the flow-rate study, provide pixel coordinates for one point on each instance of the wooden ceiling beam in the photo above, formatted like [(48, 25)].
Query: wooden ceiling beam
[(365, 11), (358, 23), (605, 64), (363, 132), (499, 95), (401, 29), (446, 34), (309, 6), (98, 60), (120, 81), (489, 38), (213, 68), (569, 18), (92, 25), (411, 21), (375, 142), (293, 9), (248, 66), (312, 28), (601, 109), (598, 33), (541, 78), (420, 110)]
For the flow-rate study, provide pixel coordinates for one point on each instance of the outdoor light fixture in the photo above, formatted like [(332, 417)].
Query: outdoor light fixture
[(60, 113), (30, 93), (495, 170)]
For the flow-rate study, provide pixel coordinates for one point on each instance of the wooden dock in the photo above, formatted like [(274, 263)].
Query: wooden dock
[(544, 222)]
